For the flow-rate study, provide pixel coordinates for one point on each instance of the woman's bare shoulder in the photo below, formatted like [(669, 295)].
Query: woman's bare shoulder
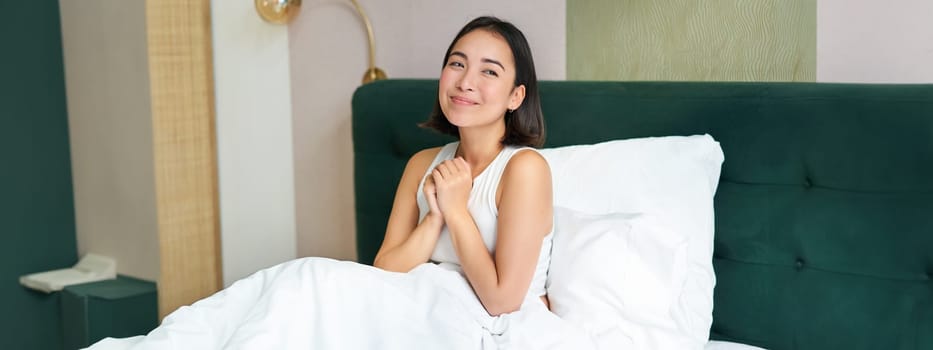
[(526, 172), (528, 162), (428, 153), (421, 160), (425, 156)]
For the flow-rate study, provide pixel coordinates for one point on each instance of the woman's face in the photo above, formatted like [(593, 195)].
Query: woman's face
[(477, 82)]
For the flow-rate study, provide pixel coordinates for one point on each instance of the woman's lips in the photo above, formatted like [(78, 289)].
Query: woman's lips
[(462, 100)]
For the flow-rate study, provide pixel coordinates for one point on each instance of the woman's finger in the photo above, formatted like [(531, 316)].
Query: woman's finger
[(444, 169), (429, 184), (462, 165)]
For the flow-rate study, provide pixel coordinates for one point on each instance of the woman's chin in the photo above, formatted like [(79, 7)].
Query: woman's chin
[(458, 119)]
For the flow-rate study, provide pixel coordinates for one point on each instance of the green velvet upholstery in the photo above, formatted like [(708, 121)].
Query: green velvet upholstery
[(824, 212), (37, 225)]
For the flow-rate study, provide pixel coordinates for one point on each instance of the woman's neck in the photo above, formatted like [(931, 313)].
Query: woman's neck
[(479, 149)]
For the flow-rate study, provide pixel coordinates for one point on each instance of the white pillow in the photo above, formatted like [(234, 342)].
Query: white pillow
[(671, 181), (614, 264)]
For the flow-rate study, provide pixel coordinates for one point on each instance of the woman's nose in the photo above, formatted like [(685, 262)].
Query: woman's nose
[(466, 81)]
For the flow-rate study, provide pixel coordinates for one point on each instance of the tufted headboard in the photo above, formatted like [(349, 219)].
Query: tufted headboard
[(824, 212)]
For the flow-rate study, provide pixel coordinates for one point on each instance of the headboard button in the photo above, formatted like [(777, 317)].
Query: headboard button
[(807, 183), (798, 264)]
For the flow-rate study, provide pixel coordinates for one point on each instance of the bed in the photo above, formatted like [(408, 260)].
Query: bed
[(823, 208), (721, 216)]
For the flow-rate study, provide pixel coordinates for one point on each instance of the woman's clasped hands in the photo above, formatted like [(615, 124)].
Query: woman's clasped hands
[(447, 188)]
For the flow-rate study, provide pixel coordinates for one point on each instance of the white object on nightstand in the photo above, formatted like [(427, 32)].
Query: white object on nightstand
[(91, 268)]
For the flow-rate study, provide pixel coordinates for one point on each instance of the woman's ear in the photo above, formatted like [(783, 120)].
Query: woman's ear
[(518, 95)]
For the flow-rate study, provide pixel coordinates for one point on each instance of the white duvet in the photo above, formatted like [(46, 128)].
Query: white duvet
[(316, 303)]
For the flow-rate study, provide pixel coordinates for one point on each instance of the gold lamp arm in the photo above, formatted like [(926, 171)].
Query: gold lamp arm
[(284, 11), (373, 73), (369, 33)]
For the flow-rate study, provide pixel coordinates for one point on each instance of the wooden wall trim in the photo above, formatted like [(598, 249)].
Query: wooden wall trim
[(185, 154)]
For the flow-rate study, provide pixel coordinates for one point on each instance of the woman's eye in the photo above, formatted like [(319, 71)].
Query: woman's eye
[(491, 72), (455, 64)]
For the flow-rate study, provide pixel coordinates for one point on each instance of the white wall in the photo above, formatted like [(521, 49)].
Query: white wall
[(868, 41), (254, 140), (110, 130), (328, 51)]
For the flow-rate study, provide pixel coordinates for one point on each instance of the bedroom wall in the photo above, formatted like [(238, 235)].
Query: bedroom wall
[(864, 41), (37, 222), (328, 55), (107, 80)]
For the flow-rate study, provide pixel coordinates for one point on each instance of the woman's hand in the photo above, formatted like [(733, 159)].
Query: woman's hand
[(453, 181), (430, 194)]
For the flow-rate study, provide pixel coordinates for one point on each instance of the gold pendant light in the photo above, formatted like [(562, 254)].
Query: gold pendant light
[(278, 11)]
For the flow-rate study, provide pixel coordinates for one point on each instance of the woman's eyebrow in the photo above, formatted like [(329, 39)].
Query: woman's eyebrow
[(489, 60), (484, 60)]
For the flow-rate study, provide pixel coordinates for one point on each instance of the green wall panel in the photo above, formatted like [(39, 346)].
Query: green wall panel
[(37, 223), (691, 40)]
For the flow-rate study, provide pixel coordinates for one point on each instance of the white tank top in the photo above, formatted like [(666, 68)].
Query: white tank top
[(482, 206)]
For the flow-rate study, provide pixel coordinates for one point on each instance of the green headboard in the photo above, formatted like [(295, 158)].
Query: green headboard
[(824, 212)]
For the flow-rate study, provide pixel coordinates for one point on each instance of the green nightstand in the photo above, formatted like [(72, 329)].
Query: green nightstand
[(121, 307)]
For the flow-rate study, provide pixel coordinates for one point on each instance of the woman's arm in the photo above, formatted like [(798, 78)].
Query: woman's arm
[(408, 243), (525, 218)]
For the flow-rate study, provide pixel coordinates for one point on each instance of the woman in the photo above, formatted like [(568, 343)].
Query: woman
[(482, 204), (480, 208)]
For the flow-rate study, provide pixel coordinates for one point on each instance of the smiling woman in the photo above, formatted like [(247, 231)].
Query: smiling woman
[(480, 205)]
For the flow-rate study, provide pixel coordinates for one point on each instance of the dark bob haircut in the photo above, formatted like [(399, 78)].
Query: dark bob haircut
[(525, 125)]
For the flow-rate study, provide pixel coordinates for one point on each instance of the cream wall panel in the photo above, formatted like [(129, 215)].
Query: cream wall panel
[(767, 40), (254, 139)]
